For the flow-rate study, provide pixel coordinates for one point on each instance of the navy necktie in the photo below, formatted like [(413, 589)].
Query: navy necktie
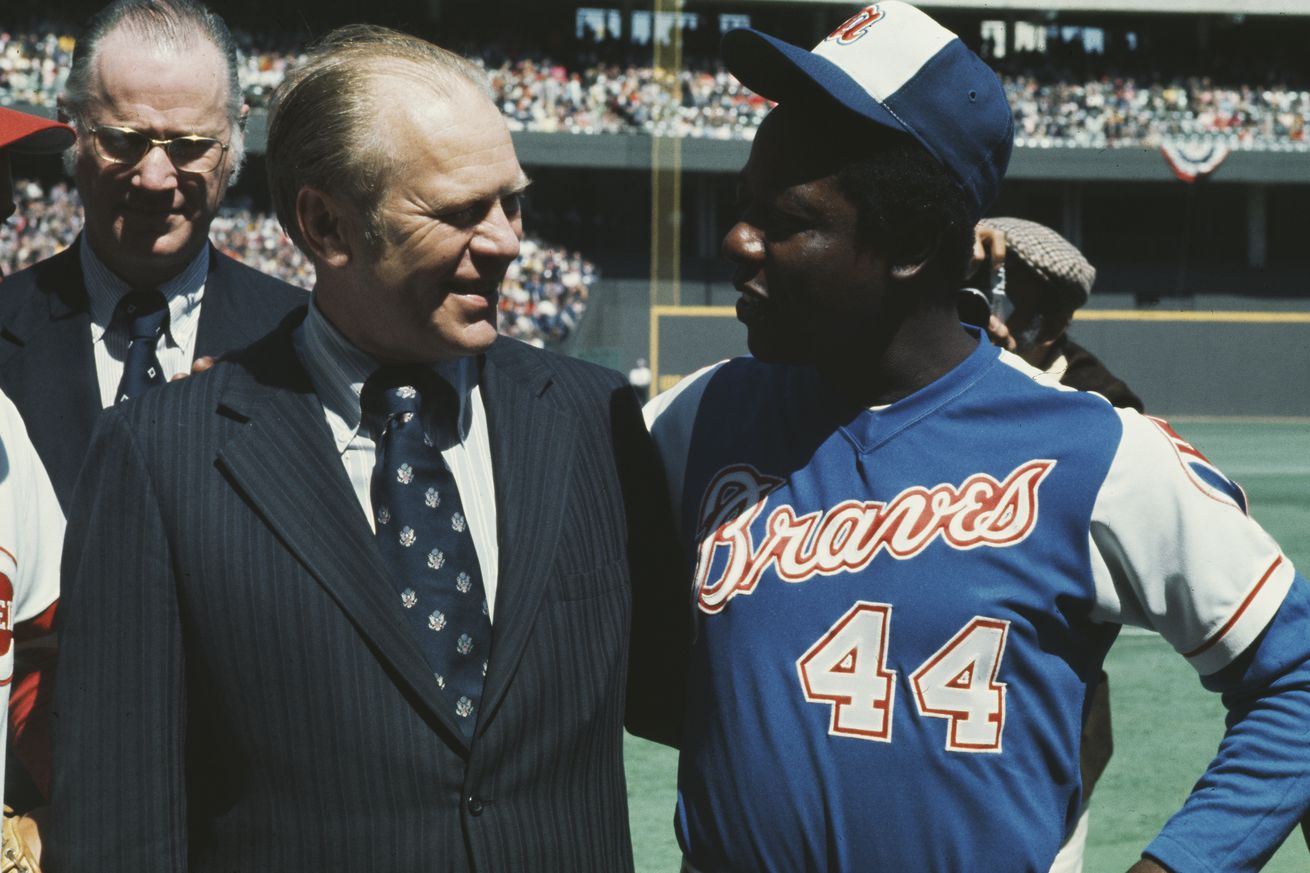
[(423, 534), (146, 312)]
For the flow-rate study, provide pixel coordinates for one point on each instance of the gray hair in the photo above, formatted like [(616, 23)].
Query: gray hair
[(322, 124), (174, 24)]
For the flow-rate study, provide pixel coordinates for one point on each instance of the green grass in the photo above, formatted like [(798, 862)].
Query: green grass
[(1166, 726)]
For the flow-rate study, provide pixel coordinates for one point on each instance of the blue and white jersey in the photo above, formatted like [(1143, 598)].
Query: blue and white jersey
[(899, 610)]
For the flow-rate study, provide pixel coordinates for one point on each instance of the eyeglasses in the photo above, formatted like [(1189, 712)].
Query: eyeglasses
[(189, 154)]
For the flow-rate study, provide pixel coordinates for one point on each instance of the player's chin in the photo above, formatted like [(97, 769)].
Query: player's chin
[(773, 346), (476, 337)]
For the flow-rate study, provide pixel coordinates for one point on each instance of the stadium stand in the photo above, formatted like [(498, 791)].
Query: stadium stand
[(1052, 107)]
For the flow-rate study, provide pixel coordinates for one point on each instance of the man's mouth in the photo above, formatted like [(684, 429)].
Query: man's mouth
[(751, 304), (148, 210), (482, 295)]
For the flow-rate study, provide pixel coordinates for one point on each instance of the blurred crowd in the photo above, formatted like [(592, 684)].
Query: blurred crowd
[(542, 298), (598, 94), (1125, 111)]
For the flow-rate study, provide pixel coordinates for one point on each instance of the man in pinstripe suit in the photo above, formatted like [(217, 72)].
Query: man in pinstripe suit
[(243, 687)]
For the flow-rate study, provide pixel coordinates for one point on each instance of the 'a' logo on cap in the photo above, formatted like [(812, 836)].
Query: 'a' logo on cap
[(856, 26)]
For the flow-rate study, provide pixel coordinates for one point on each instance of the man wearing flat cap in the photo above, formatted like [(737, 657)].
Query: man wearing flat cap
[(1046, 280), (912, 550)]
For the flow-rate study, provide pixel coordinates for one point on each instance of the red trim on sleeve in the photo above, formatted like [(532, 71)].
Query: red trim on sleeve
[(29, 715), (38, 625), (1228, 625)]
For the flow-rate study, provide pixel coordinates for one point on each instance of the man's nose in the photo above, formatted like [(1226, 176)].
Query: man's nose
[(498, 235), (743, 242), (155, 170)]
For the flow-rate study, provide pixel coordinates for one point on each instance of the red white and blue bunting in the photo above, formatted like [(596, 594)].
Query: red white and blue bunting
[(1194, 159)]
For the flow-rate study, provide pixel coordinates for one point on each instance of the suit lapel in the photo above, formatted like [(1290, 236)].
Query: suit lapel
[(531, 453), (221, 313), (285, 463), (52, 368), (235, 311)]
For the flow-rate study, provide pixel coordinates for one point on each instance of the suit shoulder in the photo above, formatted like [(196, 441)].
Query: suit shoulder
[(43, 277), (239, 274), (166, 408), (572, 374)]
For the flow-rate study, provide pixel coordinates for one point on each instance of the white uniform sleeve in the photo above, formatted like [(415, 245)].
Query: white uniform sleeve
[(34, 523), (1173, 549), (670, 418)]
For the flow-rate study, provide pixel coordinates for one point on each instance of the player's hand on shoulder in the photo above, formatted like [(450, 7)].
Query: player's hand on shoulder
[(1146, 865)]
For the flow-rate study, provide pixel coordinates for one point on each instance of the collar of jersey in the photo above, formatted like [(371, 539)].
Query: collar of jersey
[(872, 428)]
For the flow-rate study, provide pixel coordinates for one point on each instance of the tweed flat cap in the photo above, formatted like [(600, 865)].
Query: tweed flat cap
[(1049, 255)]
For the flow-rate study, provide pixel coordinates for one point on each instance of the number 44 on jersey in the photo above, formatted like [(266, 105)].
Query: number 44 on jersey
[(847, 669)]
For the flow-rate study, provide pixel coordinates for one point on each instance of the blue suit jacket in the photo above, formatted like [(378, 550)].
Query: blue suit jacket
[(238, 688), (46, 364)]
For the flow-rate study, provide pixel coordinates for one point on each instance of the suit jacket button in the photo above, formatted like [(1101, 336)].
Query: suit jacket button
[(475, 806)]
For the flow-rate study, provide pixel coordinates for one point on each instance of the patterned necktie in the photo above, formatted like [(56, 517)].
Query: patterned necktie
[(423, 534), (146, 313)]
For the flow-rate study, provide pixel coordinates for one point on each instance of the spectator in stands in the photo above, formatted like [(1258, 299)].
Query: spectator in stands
[(47, 222), (639, 378)]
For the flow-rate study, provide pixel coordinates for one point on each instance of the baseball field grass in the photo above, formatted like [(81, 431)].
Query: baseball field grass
[(1166, 726)]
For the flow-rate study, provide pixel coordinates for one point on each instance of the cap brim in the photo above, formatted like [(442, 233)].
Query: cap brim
[(782, 72), (31, 134)]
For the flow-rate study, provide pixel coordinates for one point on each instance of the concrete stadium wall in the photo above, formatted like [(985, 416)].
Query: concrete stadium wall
[(1204, 361)]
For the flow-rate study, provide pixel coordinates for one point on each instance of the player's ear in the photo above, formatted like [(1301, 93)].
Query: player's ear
[(912, 250)]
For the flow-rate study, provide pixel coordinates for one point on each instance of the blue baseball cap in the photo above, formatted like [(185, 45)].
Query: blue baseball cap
[(893, 65)]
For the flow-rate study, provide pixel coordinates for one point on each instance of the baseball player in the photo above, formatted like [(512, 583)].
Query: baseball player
[(912, 550), (31, 524)]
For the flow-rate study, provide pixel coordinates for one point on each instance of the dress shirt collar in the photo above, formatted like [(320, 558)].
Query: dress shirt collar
[(338, 371), (183, 292)]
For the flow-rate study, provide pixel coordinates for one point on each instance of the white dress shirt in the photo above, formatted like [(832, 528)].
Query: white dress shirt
[(109, 336), (338, 371)]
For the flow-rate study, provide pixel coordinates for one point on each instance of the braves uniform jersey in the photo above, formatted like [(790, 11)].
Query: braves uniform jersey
[(31, 537), (899, 610)]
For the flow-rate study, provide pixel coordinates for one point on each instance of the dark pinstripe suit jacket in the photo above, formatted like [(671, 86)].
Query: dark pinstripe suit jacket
[(238, 691), (46, 364)]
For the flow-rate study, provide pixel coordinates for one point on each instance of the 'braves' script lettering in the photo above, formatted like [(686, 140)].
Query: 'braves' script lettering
[(846, 537)]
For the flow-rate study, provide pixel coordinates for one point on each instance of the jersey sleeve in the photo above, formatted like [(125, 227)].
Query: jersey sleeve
[(1174, 549), (37, 523), (1258, 785)]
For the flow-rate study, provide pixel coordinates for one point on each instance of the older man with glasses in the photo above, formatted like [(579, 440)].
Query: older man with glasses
[(153, 92), (141, 294)]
